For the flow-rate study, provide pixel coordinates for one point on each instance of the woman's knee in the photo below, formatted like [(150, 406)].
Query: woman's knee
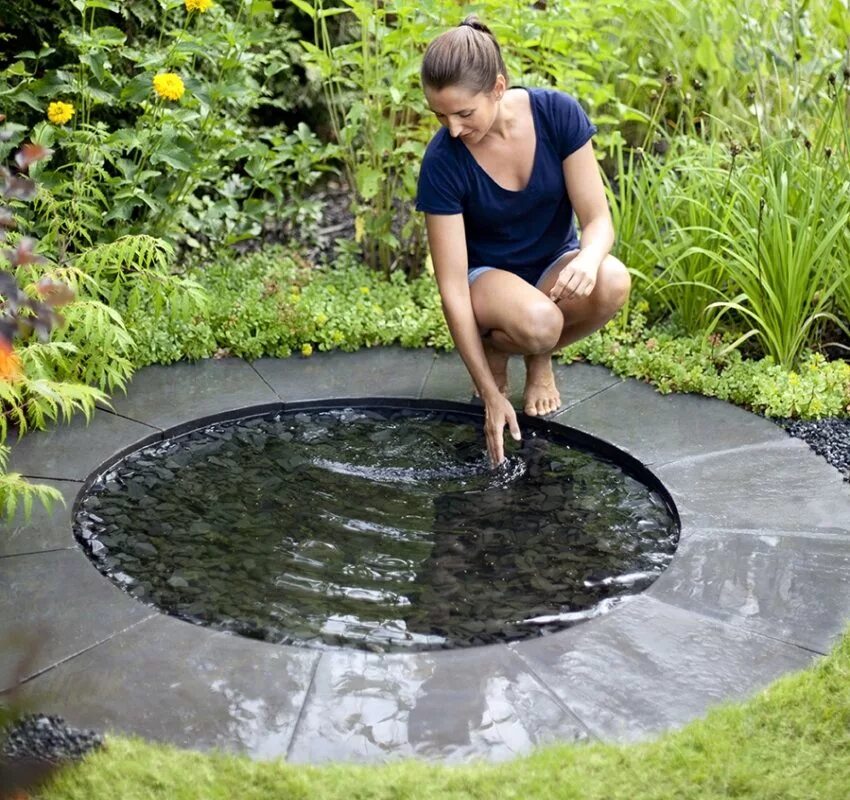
[(541, 327), (618, 283)]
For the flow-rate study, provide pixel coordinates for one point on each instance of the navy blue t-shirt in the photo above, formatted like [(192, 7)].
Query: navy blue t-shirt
[(522, 231)]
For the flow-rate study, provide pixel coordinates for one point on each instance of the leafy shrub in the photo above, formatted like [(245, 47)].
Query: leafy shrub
[(155, 123)]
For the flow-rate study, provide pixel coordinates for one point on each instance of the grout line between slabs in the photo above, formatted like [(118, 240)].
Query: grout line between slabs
[(779, 444), (301, 710), (427, 376), (130, 419), (576, 403), (562, 704), (263, 379), (65, 660), (737, 627), (841, 535), (36, 552)]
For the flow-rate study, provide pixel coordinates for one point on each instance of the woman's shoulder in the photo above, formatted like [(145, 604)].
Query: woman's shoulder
[(555, 100)]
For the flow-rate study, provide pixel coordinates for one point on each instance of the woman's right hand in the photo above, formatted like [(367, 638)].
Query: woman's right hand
[(499, 412)]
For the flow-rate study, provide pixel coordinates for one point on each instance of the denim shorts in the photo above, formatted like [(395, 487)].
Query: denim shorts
[(477, 272)]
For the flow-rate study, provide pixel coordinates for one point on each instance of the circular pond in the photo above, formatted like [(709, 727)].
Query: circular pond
[(380, 527)]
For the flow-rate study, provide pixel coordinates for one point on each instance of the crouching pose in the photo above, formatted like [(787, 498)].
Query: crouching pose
[(498, 185)]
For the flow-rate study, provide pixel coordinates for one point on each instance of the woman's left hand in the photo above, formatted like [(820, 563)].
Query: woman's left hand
[(577, 279)]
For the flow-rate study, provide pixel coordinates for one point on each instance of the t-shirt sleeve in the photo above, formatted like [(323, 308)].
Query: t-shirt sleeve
[(571, 124), (440, 189)]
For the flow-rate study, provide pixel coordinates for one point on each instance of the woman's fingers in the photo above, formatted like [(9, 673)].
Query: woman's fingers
[(572, 282), (497, 416)]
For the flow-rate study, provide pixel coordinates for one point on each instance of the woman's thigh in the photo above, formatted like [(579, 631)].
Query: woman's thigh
[(503, 301), (612, 281)]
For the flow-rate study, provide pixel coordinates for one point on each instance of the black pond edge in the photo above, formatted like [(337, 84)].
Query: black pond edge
[(555, 431)]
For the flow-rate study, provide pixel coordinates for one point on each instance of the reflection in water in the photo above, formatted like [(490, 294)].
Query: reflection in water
[(379, 529)]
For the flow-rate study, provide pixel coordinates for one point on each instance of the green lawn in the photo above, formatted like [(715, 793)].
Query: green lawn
[(791, 741)]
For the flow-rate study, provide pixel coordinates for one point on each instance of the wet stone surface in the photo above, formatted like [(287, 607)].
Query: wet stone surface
[(380, 529)]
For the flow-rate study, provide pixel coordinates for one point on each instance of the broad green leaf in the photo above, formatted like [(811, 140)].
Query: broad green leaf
[(109, 5), (305, 7), (176, 158), (260, 7), (108, 35), (368, 181)]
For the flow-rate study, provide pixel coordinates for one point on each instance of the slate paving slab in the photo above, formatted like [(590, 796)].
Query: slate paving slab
[(793, 587), (167, 396), (647, 667), (449, 380), (174, 682), (779, 486), (44, 530), (447, 706), (61, 597), (73, 451), (372, 372), (658, 428)]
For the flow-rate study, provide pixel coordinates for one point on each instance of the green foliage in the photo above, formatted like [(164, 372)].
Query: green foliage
[(269, 304), (15, 490), (371, 90), (706, 365), (132, 161)]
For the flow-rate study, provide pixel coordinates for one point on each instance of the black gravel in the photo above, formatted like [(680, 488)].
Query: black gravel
[(829, 438), (46, 739)]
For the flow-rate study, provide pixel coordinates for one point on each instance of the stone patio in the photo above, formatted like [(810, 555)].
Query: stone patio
[(760, 586)]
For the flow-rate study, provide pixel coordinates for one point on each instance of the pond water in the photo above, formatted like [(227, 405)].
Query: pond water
[(378, 528)]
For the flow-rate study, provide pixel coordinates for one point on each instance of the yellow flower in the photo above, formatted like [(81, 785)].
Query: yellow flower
[(359, 229), (337, 336), (364, 289), (59, 113), (169, 86), (321, 319), (198, 5), (306, 349)]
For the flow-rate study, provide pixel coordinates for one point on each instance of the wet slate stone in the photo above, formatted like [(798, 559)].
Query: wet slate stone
[(73, 451), (660, 428), (61, 597), (782, 486), (647, 667), (167, 396), (792, 587), (44, 530), (455, 706), (370, 372), (177, 683)]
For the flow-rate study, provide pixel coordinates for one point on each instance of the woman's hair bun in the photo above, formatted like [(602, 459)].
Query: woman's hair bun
[(472, 21)]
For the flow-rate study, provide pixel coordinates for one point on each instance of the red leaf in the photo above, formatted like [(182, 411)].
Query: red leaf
[(29, 154), (53, 292), (24, 253), (10, 364)]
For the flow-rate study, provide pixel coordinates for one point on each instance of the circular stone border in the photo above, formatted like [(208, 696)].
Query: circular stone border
[(570, 437), (759, 586)]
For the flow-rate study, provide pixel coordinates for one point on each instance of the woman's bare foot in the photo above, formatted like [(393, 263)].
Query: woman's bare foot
[(541, 395), (498, 362)]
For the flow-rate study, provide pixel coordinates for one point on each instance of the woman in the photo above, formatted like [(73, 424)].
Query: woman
[(498, 186)]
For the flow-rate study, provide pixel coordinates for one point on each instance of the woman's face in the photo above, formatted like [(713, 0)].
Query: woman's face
[(466, 114)]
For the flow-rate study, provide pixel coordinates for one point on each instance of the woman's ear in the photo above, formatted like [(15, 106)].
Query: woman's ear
[(499, 86)]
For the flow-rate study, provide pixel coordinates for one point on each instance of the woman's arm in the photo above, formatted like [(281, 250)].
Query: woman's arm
[(587, 196), (447, 242)]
